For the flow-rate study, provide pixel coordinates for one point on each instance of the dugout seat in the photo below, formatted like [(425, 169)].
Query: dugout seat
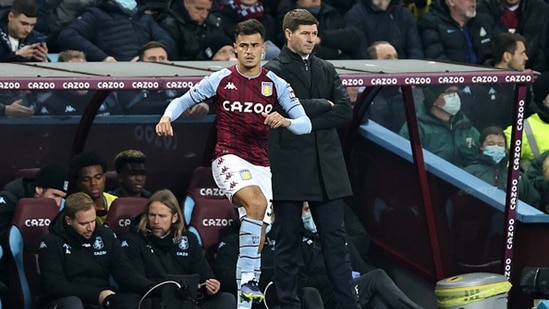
[(27, 172), (121, 213), (30, 224), (208, 213)]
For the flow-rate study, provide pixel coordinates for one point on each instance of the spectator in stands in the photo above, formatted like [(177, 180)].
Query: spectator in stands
[(443, 129), (50, 182), (160, 246), (218, 47), (87, 172), (526, 17), (113, 31), (153, 102), (385, 20), (130, 168), (60, 13), (538, 173), (188, 22), (232, 12), (534, 135), (334, 39), (310, 167), (19, 41), (453, 30), (491, 164), (78, 257), (493, 104), (72, 102)]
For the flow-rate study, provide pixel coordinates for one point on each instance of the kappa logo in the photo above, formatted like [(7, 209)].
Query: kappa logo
[(2, 200), (69, 109), (230, 86)]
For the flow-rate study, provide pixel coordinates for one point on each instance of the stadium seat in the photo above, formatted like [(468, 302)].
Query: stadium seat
[(111, 181), (29, 225), (122, 212), (208, 213)]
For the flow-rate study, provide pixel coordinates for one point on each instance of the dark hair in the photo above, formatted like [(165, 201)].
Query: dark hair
[(84, 160), (505, 42), (491, 130), (150, 45), (28, 8), (297, 17), (249, 27), (69, 54), (126, 157)]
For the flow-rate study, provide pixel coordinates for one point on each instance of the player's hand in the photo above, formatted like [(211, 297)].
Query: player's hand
[(275, 120), (212, 286), (16, 109), (197, 111), (164, 127)]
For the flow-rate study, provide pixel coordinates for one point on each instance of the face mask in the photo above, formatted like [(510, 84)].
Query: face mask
[(127, 4), (308, 222), (497, 153), (452, 103), (268, 228)]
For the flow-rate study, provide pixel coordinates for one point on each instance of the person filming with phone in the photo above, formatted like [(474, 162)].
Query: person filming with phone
[(19, 42)]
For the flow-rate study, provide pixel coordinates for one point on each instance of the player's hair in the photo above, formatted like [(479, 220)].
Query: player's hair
[(505, 42), (150, 45), (249, 27), (167, 198), (297, 17), (76, 202), (69, 54), (28, 8), (126, 157)]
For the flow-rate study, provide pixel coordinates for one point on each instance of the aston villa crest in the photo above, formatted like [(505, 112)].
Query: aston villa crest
[(184, 244), (267, 88), (98, 243)]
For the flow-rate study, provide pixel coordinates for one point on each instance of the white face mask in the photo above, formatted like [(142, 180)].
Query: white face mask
[(497, 153), (452, 103), (308, 222)]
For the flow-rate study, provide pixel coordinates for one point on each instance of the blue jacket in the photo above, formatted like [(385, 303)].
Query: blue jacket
[(109, 30), (6, 55)]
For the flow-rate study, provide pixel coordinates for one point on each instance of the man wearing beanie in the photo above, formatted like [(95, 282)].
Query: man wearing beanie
[(50, 182), (443, 129), (534, 135), (218, 47)]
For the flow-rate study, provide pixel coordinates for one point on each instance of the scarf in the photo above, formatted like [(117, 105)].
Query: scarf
[(246, 12)]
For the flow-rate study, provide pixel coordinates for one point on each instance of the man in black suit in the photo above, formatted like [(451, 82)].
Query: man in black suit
[(310, 167)]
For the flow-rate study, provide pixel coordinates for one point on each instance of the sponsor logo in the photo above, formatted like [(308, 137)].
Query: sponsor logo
[(41, 85), (451, 79), (145, 85), (518, 78), (110, 85), (484, 79), (230, 86), (352, 82), (216, 222), (69, 109), (212, 192), (179, 85), (124, 222), (417, 80), (75, 85), (384, 81), (10, 85), (247, 107), (37, 222)]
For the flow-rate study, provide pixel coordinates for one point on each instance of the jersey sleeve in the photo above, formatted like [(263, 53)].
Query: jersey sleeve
[(299, 121), (205, 89)]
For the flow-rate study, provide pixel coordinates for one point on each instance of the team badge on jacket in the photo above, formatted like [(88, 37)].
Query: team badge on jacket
[(184, 243), (98, 243)]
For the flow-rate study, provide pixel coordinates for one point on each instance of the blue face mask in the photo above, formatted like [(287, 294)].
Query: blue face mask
[(268, 228), (127, 4), (497, 153), (308, 222)]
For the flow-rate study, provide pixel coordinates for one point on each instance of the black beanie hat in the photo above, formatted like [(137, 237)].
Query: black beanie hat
[(431, 93), (52, 176), (213, 43)]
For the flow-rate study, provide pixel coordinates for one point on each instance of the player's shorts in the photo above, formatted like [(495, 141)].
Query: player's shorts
[(232, 173)]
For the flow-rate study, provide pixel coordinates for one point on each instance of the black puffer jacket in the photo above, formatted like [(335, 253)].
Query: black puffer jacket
[(443, 39), (109, 30), (72, 265), (6, 55), (188, 35)]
